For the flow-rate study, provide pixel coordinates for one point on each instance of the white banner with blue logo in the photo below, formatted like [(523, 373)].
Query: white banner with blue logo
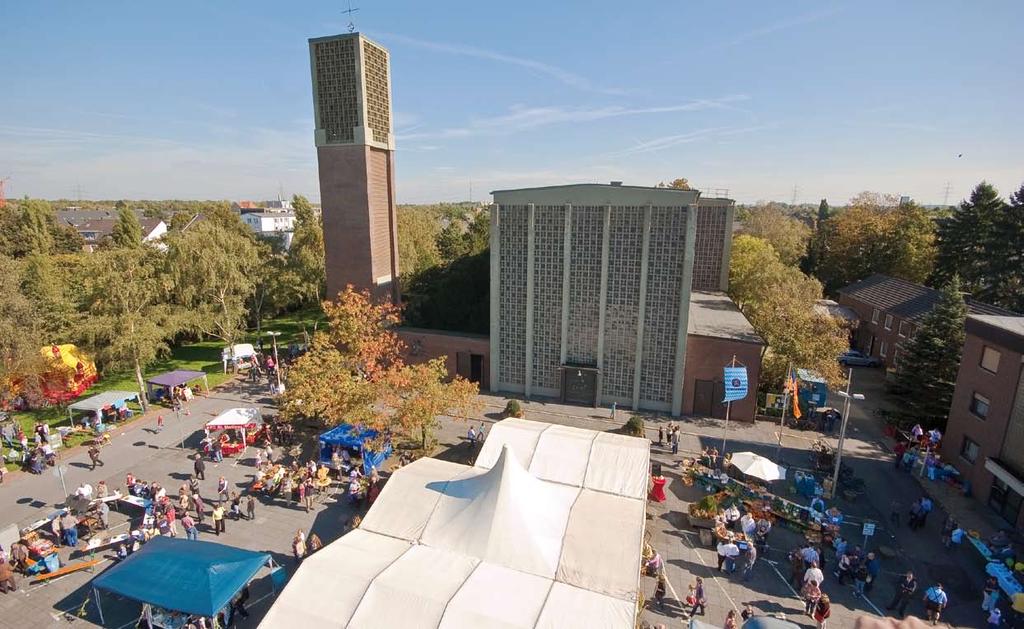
[(735, 383)]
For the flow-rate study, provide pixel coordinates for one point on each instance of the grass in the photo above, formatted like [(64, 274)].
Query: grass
[(202, 356)]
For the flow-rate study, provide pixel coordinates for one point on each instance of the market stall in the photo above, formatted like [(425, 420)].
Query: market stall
[(358, 441), (162, 386), (238, 356), (237, 428), (176, 578), (104, 408)]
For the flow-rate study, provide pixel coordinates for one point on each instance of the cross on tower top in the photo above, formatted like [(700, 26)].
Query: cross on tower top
[(351, 22)]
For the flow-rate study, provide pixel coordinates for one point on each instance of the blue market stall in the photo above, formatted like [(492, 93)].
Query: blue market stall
[(174, 578), (355, 440)]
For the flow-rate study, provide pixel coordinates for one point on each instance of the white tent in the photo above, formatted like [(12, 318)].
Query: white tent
[(236, 354), (241, 419), (97, 403), (491, 546)]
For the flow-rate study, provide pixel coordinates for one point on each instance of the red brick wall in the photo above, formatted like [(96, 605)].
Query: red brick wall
[(705, 358), (989, 433), (866, 329), (423, 345)]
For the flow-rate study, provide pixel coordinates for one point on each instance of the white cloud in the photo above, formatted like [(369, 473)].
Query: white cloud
[(668, 141), (559, 74), (521, 117), (781, 25)]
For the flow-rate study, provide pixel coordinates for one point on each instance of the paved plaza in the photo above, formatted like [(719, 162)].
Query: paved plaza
[(150, 455)]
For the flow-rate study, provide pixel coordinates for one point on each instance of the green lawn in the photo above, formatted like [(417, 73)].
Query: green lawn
[(202, 356)]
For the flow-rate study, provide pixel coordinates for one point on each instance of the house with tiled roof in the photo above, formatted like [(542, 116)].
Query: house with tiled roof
[(890, 309)]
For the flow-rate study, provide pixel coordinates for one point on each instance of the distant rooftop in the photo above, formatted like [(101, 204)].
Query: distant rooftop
[(907, 300), (714, 314), (78, 217), (105, 226)]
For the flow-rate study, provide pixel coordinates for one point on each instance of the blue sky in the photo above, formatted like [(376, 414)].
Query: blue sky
[(192, 99)]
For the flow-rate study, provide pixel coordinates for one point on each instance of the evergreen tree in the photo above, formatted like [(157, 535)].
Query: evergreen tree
[(127, 231), (1005, 261), (930, 359), (33, 228), (823, 210), (965, 240), (306, 255)]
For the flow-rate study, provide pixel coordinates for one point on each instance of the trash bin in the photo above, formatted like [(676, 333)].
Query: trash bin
[(706, 537)]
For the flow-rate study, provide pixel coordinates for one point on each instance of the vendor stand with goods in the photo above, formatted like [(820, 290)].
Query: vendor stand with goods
[(104, 408), (355, 441), (238, 356), (164, 386), (236, 428), (216, 588)]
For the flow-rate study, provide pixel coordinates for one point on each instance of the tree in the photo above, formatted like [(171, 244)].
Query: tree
[(419, 394), (679, 184), (965, 237), (824, 211), (779, 300), (212, 269), (787, 235), (930, 359), (418, 230), (1006, 253), (868, 238), (809, 264), (130, 318), (127, 230), (306, 255), (50, 283), (452, 297), (33, 228), (21, 364)]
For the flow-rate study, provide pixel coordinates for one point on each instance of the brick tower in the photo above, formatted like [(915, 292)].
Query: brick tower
[(355, 150)]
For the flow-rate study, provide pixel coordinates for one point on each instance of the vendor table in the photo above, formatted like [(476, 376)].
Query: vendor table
[(1004, 576)]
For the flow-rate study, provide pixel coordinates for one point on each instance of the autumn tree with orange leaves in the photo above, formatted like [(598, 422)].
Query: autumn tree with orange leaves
[(353, 373)]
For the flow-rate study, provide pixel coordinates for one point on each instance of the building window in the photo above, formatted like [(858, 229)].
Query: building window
[(888, 322), (990, 359), (969, 450), (904, 328), (882, 349), (1004, 500), (874, 316), (979, 405)]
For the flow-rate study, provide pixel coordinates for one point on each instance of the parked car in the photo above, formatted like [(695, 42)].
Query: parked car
[(854, 358)]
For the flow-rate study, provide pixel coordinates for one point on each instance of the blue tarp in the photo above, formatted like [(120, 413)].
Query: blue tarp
[(182, 575), (348, 436)]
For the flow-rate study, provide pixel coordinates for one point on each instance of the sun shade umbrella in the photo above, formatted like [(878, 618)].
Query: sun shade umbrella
[(756, 465)]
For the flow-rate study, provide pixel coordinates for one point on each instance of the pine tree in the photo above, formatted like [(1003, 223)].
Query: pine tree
[(931, 358), (965, 240), (823, 210), (1006, 256), (127, 231)]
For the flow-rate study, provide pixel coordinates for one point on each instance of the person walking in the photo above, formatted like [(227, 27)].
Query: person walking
[(661, 436), (310, 494), (813, 573), (990, 595), (822, 611), (302, 495), (796, 568), (191, 532), (222, 489), (218, 519), (926, 508), (935, 601), (749, 559), (159, 424), (874, 568), (299, 545), (236, 506), (94, 456), (915, 515), (730, 620), (699, 600), (103, 510), (197, 502), (904, 592), (675, 440), (811, 593), (218, 451), (200, 468), (659, 592), (250, 508), (860, 578)]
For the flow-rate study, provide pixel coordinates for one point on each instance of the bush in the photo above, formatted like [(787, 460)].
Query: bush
[(513, 409), (635, 426)]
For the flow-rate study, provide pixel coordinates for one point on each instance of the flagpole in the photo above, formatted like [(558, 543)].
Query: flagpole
[(785, 402), (728, 408)]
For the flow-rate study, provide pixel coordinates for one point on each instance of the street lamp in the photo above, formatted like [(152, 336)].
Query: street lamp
[(277, 363), (847, 396)]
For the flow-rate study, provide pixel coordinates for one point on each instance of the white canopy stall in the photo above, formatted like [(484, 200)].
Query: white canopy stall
[(245, 420), (237, 355), (545, 531)]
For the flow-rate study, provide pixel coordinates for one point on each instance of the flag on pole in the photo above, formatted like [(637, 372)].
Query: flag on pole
[(792, 386), (735, 383)]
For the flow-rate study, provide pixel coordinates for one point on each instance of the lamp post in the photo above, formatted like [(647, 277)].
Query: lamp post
[(277, 363), (847, 396)]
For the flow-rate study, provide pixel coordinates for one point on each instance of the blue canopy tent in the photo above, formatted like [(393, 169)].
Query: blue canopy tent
[(352, 438), (187, 576)]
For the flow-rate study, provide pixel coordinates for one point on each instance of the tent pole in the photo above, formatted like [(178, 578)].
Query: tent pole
[(99, 606)]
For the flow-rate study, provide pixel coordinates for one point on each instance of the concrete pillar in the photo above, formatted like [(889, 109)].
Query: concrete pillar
[(528, 367), (685, 288), (639, 355), (566, 268), (495, 296), (606, 230)]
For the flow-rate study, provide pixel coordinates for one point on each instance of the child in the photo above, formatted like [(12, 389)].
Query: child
[(995, 618), (659, 592), (747, 613)]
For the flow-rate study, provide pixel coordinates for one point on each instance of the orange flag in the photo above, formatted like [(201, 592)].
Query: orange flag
[(791, 386)]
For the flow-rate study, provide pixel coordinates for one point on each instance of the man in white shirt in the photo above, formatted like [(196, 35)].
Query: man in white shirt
[(85, 491), (727, 554), (732, 516), (814, 574)]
